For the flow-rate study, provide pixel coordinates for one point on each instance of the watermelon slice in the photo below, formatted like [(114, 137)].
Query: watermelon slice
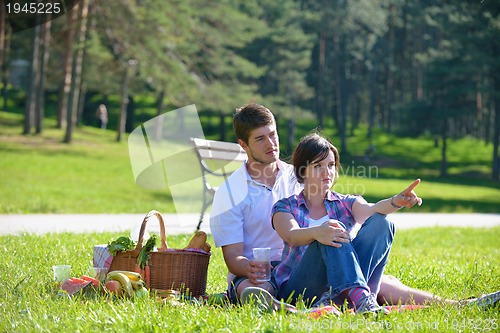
[(74, 285), (95, 282)]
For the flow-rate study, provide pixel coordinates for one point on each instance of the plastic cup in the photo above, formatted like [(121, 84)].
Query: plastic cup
[(61, 272), (98, 272), (262, 255)]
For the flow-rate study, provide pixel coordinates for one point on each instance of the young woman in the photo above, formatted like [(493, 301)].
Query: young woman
[(321, 258)]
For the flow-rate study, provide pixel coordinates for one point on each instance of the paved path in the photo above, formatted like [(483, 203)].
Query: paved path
[(186, 223)]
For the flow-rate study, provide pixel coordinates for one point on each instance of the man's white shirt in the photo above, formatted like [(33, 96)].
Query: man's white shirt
[(241, 210)]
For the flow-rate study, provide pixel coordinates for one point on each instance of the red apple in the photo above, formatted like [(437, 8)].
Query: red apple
[(114, 287)]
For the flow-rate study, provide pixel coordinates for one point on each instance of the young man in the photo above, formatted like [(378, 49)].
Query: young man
[(241, 211)]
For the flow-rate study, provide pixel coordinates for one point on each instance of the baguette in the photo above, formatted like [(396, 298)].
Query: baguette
[(199, 241)]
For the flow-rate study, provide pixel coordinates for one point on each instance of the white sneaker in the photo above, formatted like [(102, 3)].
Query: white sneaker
[(486, 300), (369, 304), (264, 300), (325, 300)]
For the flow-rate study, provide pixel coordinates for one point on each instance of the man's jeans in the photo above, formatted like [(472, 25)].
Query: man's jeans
[(359, 263)]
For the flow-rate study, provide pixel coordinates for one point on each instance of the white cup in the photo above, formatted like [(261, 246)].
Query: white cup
[(61, 272), (98, 272), (262, 255)]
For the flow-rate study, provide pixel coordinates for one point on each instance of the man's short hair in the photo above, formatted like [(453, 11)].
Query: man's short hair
[(250, 117)]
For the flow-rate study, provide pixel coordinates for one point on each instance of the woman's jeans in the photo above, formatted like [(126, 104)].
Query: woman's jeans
[(359, 263)]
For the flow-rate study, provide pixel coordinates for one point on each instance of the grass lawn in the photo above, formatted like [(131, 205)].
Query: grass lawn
[(91, 175), (452, 262), (39, 174)]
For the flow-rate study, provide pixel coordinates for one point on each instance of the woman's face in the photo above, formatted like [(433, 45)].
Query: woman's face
[(320, 175)]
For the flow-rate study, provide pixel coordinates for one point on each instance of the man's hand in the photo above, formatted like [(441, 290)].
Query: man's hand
[(255, 270)]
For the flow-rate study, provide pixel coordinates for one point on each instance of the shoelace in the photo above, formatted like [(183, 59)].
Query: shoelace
[(324, 300), (369, 304)]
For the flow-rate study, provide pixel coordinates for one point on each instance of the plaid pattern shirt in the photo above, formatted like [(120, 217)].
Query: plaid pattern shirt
[(338, 206)]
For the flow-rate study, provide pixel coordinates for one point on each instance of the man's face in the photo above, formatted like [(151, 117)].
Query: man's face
[(263, 145)]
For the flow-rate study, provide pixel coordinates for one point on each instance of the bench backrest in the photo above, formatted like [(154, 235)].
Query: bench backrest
[(218, 159), (210, 150)]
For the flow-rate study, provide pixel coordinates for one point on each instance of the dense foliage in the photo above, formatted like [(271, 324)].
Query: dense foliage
[(411, 67)]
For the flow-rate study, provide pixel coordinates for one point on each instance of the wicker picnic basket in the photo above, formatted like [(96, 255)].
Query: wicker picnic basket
[(170, 269)]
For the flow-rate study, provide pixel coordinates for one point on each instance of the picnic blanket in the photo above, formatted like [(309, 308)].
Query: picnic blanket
[(333, 310)]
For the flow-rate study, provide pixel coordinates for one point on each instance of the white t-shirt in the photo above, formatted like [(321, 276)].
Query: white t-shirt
[(241, 211), (320, 221)]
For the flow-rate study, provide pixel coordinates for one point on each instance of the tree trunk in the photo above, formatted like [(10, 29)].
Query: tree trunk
[(290, 134), (76, 74), (123, 108), (2, 36), (43, 76), (344, 111), (34, 82), (389, 91), (338, 84), (4, 68), (340, 92), (160, 106), (444, 161), (320, 100), (223, 131), (81, 102), (495, 172), (371, 107), (62, 109)]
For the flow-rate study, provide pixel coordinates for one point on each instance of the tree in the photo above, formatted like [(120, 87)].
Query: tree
[(76, 72), (65, 86), (5, 55), (124, 98), (283, 49), (34, 82), (464, 57), (44, 62), (219, 32), (3, 33), (346, 33)]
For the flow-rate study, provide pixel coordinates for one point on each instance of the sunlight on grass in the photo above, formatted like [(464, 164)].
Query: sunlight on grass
[(452, 262), (94, 174)]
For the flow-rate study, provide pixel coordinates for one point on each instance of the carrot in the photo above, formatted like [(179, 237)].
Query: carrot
[(137, 269), (147, 275)]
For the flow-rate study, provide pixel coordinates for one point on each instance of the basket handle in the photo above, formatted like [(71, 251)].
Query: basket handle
[(163, 239)]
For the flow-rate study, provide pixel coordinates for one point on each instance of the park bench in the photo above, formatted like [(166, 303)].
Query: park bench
[(216, 159)]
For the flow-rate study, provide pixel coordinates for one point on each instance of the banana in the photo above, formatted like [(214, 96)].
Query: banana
[(124, 281), (133, 276), (136, 285)]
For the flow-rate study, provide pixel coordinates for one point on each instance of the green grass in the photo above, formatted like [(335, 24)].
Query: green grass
[(452, 262), (94, 175)]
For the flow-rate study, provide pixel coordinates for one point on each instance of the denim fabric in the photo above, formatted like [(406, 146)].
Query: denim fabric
[(338, 207), (359, 263)]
